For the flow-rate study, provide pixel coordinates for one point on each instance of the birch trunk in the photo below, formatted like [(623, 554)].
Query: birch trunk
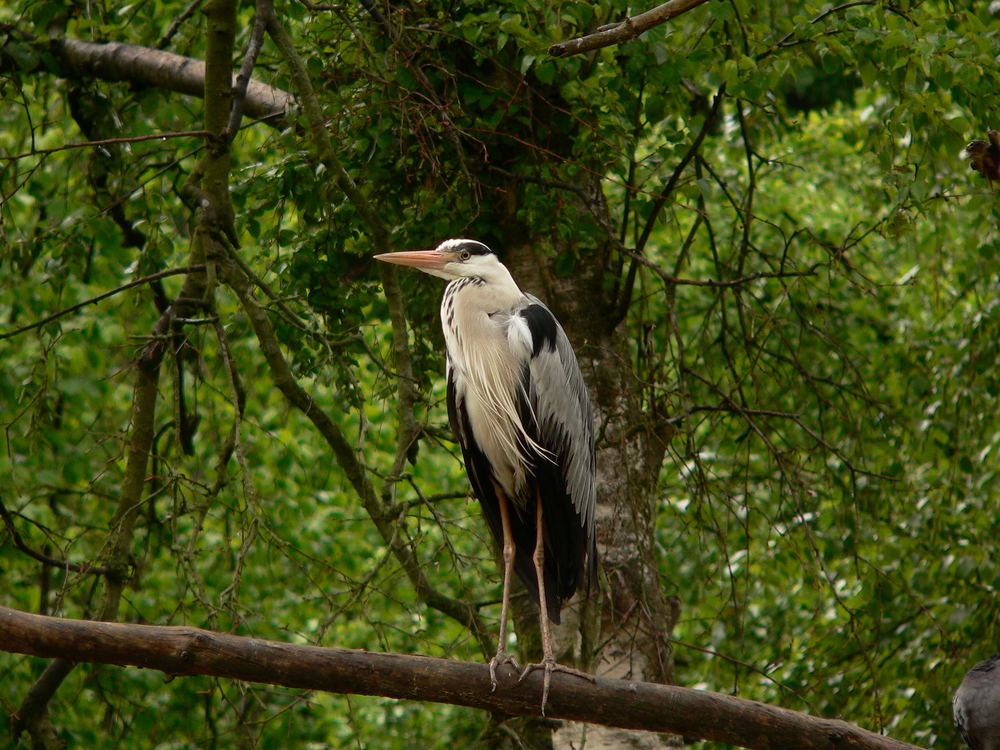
[(624, 631)]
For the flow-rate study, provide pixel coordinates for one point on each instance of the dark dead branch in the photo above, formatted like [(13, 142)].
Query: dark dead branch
[(180, 650)]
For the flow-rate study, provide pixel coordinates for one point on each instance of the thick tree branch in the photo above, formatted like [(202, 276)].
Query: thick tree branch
[(115, 61), (179, 650), (630, 28)]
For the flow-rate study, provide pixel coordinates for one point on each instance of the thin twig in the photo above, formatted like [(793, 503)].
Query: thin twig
[(675, 176), (197, 268), (107, 142), (719, 283), (624, 31), (175, 26), (787, 39), (44, 559), (746, 665)]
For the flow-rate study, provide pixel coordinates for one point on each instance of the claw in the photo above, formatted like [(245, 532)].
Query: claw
[(499, 660), (550, 666)]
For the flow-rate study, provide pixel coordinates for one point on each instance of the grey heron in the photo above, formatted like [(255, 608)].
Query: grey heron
[(976, 705), (519, 408)]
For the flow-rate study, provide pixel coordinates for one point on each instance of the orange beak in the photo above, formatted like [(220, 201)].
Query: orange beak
[(429, 259)]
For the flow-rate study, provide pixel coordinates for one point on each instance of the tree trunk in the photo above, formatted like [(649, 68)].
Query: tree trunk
[(623, 632)]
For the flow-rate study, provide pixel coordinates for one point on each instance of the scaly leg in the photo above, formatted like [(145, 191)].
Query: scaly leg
[(548, 663), (502, 657), (548, 654)]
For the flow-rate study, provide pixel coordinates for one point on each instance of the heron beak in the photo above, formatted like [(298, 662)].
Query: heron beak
[(424, 259)]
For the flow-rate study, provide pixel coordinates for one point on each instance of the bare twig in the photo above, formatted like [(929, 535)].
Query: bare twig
[(745, 665), (106, 142), (44, 559), (176, 24), (197, 268), (624, 31), (675, 176), (732, 407), (625, 295), (720, 283), (788, 40)]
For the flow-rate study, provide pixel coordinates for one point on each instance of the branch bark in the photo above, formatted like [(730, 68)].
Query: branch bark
[(116, 61), (624, 31), (180, 650)]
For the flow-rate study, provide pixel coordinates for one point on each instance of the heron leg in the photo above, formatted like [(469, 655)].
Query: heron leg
[(548, 663), (548, 653), (502, 657)]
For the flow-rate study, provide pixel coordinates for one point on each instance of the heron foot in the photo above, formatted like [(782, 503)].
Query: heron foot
[(499, 660), (550, 666)]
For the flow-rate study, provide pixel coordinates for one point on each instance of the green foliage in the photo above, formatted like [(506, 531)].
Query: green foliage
[(827, 512)]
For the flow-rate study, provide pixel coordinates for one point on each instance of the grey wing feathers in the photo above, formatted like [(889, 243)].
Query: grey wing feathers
[(563, 414), (976, 705), (559, 397)]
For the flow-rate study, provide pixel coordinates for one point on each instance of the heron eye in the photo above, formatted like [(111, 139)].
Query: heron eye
[(465, 255)]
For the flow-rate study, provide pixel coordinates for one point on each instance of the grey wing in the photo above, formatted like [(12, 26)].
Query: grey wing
[(563, 417), (976, 705), (961, 722)]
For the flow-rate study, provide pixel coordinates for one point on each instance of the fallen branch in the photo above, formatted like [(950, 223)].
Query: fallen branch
[(180, 650)]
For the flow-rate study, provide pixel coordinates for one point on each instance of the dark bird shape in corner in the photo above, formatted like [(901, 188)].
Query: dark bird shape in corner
[(976, 705)]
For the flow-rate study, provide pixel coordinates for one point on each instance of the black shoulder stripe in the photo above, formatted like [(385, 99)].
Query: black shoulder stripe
[(543, 327)]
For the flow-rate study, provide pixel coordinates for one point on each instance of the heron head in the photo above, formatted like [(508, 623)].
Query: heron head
[(452, 259)]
